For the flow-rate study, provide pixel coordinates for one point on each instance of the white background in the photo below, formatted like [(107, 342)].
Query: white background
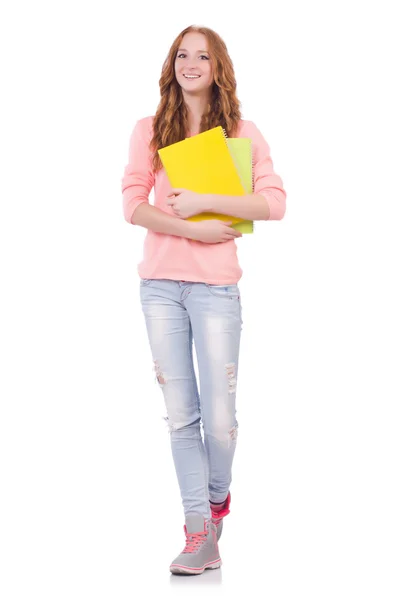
[(89, 505)]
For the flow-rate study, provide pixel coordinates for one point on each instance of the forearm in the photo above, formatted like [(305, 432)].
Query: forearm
[(252, 207), (158, 221)]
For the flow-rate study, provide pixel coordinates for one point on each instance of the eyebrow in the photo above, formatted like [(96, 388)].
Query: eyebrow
[(184, 50)]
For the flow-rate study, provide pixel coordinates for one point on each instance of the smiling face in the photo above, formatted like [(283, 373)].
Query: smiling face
[(193, 64)]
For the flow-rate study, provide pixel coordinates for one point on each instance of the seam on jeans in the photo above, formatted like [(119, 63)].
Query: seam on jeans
[(191, 367), (185, 293), (206, 472), (208, 454)]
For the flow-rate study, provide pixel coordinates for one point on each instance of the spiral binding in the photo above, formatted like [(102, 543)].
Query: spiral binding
[(224, 133)]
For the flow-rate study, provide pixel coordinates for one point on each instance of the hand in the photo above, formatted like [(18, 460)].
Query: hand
[(213, 231), (186, 203)]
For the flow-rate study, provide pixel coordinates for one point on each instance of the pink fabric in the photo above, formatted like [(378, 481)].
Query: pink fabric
[(172, 257), (220, 511)]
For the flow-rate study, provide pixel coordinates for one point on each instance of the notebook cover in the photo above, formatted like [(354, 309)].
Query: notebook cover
[(241, 151), (203, 164)]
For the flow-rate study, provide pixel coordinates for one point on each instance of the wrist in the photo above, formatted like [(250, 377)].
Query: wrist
[(187, 228), (208, 202)]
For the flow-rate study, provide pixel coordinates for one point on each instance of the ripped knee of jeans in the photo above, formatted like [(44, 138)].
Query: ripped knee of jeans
[(233, 432), (160, 376), (231, 375)]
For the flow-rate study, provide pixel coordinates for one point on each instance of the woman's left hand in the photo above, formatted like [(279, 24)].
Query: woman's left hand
[(186, 203)]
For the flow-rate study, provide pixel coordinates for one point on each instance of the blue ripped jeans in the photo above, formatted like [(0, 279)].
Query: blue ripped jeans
[(176, 312)]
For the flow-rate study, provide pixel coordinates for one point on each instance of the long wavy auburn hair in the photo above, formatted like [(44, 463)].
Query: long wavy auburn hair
[(170, 123)]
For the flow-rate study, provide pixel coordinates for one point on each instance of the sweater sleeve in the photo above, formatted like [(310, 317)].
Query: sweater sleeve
[(138, 178), (266, 182)]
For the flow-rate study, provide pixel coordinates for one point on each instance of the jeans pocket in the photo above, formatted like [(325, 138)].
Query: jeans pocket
[(224, 291)]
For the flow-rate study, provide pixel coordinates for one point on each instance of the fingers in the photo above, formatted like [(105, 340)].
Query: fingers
[(230, 229), (175, 192), (234, 232)]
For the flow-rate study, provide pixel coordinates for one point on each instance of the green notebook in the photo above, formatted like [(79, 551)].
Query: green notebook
[(241, 151)]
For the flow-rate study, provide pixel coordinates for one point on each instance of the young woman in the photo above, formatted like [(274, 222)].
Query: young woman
[(189, 279)]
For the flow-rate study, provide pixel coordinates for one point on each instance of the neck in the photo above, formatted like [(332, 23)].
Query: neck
[(196, 107)]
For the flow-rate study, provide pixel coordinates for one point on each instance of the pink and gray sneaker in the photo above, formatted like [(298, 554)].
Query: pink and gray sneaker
[(218, 511), (201, 550)]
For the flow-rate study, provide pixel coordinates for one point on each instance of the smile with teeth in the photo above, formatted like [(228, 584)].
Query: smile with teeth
[(192, 76)]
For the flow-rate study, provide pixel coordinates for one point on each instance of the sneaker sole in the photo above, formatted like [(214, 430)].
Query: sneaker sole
[(174, 568)]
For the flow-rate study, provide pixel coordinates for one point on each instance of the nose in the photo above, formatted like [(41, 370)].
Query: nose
[(191, 63)]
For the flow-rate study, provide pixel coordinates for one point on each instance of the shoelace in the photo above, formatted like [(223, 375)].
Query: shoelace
[(194, 541)]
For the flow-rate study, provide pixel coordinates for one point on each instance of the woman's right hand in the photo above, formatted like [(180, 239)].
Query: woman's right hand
[(212, 231)]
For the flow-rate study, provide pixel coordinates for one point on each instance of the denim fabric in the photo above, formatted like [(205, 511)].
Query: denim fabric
[(176, 312)]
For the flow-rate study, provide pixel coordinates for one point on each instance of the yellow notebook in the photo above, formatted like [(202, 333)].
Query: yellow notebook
[(203, 164), (241, 151)]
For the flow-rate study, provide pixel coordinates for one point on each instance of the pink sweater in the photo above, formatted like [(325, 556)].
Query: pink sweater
[(178, 258)]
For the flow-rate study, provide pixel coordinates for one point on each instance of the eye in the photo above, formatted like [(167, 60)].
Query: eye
[(182, 55)]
